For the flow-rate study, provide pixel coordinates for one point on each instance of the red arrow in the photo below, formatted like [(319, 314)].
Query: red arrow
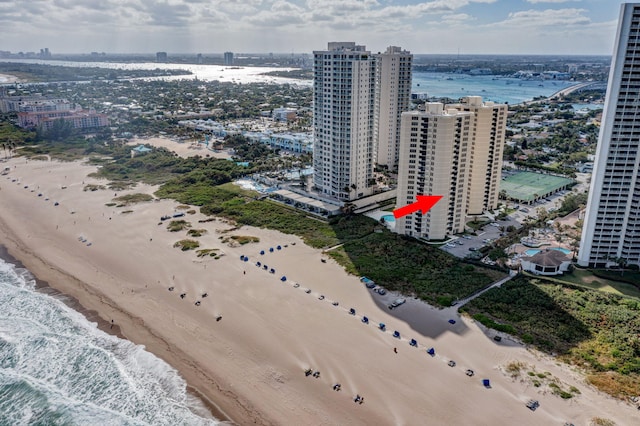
[(424, 203)]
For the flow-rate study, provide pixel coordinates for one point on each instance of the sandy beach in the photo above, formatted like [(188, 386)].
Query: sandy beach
[(250, 364), (183, 149)]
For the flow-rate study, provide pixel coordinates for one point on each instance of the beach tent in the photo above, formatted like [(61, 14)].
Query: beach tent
[(486, 383), (396, 334), (258, 264), (271, 249), (279, 248), (352, 311), (365, 320), (431, 351), (283, 279), (381, 326)]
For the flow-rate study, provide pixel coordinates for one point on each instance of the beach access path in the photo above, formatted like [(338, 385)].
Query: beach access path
[(251, 363)]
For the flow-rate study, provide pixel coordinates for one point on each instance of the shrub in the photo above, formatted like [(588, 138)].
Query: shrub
[(185, 245), (196, 232), (178, 225)]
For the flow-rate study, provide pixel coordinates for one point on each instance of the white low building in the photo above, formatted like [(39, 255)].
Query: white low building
[(546, 262)]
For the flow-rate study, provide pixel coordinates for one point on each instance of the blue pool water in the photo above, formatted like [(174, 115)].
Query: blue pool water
[(389, 218), (532, 252)]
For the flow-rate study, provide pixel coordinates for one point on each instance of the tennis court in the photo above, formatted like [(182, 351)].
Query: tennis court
[(526, 187)]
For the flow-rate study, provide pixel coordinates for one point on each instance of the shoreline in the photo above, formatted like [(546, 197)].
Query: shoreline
[(17, 252), (251, 365)]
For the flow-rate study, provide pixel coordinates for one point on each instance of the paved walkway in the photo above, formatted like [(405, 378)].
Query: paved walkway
[(463, 302)]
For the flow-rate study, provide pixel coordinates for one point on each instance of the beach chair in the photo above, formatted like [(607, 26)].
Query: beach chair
[(396, 334), (431, 351), (413, 342)]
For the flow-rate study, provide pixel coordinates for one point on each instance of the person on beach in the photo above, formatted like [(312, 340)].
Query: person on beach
[(111, 324), (395, 350)]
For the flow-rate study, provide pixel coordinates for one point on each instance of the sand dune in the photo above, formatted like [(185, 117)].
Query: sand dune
[(251, 363)]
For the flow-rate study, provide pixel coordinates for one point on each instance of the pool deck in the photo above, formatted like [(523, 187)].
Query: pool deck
[(377, 215)]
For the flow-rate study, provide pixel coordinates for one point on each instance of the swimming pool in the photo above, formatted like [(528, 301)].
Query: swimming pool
[(388, 218), (532, 252)]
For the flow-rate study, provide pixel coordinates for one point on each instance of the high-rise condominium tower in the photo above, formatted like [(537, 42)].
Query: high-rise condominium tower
[(489, 123), (434, 160), (343, 120), (611, 230), (393, 97), (454, 151)]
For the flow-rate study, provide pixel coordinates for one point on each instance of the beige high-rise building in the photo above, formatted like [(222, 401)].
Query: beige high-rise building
[(434, 160), (393, 97), (454, 151), (489, 125)]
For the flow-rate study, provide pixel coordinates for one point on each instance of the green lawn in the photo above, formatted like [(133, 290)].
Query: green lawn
[(585, 278)]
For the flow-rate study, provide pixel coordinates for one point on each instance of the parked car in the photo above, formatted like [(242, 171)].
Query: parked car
[(396, 303), (532, 404), (497, 338)]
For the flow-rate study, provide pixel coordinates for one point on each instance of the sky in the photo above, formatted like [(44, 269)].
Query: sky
[(554, 27)]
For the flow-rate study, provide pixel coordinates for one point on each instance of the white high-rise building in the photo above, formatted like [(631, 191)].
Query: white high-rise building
[(393, 97), (611, 230), (343, 120), (434, 160), (485, 173)]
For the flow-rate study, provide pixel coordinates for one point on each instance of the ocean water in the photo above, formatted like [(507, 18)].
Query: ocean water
[(490, 87), (434, 84), (57, 368)]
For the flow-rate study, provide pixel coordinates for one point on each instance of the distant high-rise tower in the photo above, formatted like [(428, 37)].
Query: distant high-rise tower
[(393, 97), (611, 229), (485, 174), (343, 120), (434, 153), (161, 57), (228, 58)]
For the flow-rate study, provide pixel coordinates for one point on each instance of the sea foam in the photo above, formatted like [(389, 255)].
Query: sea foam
[(57, 368)]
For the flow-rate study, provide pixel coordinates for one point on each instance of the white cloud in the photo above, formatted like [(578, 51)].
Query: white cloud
[(550, 1), (545, 18)]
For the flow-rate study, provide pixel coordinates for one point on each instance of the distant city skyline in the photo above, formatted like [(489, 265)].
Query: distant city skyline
[(544, 27)]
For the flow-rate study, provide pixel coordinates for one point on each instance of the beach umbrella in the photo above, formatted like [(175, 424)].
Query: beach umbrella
[(279, 248), (271, 249), (261, 251)]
